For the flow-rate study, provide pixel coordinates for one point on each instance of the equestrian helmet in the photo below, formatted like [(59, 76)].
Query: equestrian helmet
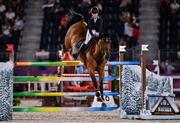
[(94, 10)]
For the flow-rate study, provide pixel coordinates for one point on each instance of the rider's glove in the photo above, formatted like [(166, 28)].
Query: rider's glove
[(96, 34)]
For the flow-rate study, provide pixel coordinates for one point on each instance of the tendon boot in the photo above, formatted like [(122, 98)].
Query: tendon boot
[(98, 95), (102, 96)]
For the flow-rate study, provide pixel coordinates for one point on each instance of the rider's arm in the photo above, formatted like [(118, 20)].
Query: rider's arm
[(101, 25)]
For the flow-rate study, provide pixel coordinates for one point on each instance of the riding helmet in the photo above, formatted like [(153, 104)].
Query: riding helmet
[(95, 10)]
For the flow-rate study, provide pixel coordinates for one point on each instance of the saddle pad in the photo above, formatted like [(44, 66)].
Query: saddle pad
[(89, 45)]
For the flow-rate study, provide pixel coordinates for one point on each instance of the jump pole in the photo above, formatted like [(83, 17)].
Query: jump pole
[(71, 63), (121, 58), (144, 50), (61, 68)]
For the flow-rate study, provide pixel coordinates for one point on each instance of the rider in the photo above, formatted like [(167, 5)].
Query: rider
[(95, 28)]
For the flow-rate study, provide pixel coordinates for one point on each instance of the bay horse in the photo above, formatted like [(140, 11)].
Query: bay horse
[(94, 59)]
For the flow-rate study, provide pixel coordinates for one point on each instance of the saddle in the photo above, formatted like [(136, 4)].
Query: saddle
[(87, 48)]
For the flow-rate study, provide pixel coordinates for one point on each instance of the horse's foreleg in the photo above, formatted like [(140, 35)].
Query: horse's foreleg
[(92, 74), (101, 77), (91, 68)]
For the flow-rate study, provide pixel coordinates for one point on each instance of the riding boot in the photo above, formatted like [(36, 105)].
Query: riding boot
[(75, 52), (82, 47)]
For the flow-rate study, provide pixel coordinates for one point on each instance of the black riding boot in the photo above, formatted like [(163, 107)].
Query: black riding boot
[(75, 55), (82, 47)]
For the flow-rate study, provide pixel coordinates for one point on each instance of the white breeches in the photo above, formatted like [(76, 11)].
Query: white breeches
[(88, 36)]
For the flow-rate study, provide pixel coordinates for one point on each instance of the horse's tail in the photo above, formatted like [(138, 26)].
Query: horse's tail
[(67, 41), (80, 16)]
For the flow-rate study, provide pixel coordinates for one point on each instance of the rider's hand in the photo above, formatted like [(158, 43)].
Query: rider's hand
[(97, 34)]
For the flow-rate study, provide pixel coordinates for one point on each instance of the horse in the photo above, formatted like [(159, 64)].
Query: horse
[(94, 59)]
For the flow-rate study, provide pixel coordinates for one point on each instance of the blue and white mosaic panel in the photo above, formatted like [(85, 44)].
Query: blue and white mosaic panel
[(6, 91)]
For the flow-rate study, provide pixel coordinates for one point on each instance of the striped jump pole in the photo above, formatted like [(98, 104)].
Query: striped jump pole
[(72, 63), (77, 75), (59, 109), (58, 63), (42, 94), (25, 79)]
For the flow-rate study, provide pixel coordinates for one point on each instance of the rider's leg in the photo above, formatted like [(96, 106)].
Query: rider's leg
[(88, 38), (74, 48), (74, 51)]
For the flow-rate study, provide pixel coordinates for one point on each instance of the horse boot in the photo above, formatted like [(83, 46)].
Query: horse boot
[(102, 96), (101, 91), (98, 95)]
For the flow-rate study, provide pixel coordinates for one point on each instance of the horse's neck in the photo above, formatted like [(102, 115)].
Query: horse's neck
[(97, 49)]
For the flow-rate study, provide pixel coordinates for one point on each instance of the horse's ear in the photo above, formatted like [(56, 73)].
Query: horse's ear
[(103, 38), (108, 40)]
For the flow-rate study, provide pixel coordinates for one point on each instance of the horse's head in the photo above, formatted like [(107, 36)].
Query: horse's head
[(105, 46)]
